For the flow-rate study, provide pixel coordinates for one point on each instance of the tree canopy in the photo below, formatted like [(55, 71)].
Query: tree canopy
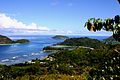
[(108, 24)]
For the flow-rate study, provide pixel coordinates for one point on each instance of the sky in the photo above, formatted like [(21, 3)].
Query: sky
[(48, 17)]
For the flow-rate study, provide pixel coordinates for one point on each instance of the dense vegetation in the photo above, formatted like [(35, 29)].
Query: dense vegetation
[(83, 41), (80, 63), (48, 48)]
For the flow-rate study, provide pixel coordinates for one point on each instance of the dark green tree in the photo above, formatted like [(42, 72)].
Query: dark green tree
[(109, 24)]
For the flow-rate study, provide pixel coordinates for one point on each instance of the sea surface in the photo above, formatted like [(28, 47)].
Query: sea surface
[(18, 53)]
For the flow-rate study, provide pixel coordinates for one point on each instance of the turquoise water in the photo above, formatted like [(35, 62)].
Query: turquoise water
[(17, 53)]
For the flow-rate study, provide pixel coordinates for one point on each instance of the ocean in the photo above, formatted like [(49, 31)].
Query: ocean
[(18, 53)]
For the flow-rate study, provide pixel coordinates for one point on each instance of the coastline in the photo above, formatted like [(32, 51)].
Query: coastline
[(35, 46), (9, 44)]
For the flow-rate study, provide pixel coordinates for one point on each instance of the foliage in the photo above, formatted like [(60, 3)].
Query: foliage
[(109, 67), (88, 63), (50, 77), (109, 24), (52, 48)]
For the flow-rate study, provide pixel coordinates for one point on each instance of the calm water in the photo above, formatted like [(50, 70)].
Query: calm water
[(17, 53)]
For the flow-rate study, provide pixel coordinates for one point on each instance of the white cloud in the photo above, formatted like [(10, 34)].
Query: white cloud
[(9, 25), (7, 22)]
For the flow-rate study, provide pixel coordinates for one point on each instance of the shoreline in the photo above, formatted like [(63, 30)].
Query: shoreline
[(9, 44)]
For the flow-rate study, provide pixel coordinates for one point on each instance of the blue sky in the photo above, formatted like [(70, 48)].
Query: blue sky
[(53, 16)]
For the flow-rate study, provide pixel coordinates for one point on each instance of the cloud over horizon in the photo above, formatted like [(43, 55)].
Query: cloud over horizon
[(9, 25)]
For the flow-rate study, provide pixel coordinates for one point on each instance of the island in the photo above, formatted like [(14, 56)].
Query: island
[(80, 63), (72, 43), (60, 37), (7, 40), (22, 41), (83, 41)]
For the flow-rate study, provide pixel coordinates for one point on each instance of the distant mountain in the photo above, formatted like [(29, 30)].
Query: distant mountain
[(110, 39), (60, 37)]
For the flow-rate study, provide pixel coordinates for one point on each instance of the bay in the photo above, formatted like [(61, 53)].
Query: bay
[(18, 53)]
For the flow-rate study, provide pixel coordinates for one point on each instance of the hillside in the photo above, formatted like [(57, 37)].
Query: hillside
[(98, 64), (109, 39), (83, 41), (5, 40)]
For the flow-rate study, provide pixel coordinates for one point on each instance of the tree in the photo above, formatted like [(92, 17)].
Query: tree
[(109, 24)]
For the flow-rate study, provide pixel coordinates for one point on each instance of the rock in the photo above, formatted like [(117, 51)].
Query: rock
[(5, 40), (60, 37)]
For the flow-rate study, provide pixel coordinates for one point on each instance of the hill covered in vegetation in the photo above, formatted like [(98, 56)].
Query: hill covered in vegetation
[(80, 63), (7, 40), (83, 41)]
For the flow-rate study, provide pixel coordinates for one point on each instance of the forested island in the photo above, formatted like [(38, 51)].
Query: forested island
[(7, 40), (60, 37), (81, 63), (72, 43)]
